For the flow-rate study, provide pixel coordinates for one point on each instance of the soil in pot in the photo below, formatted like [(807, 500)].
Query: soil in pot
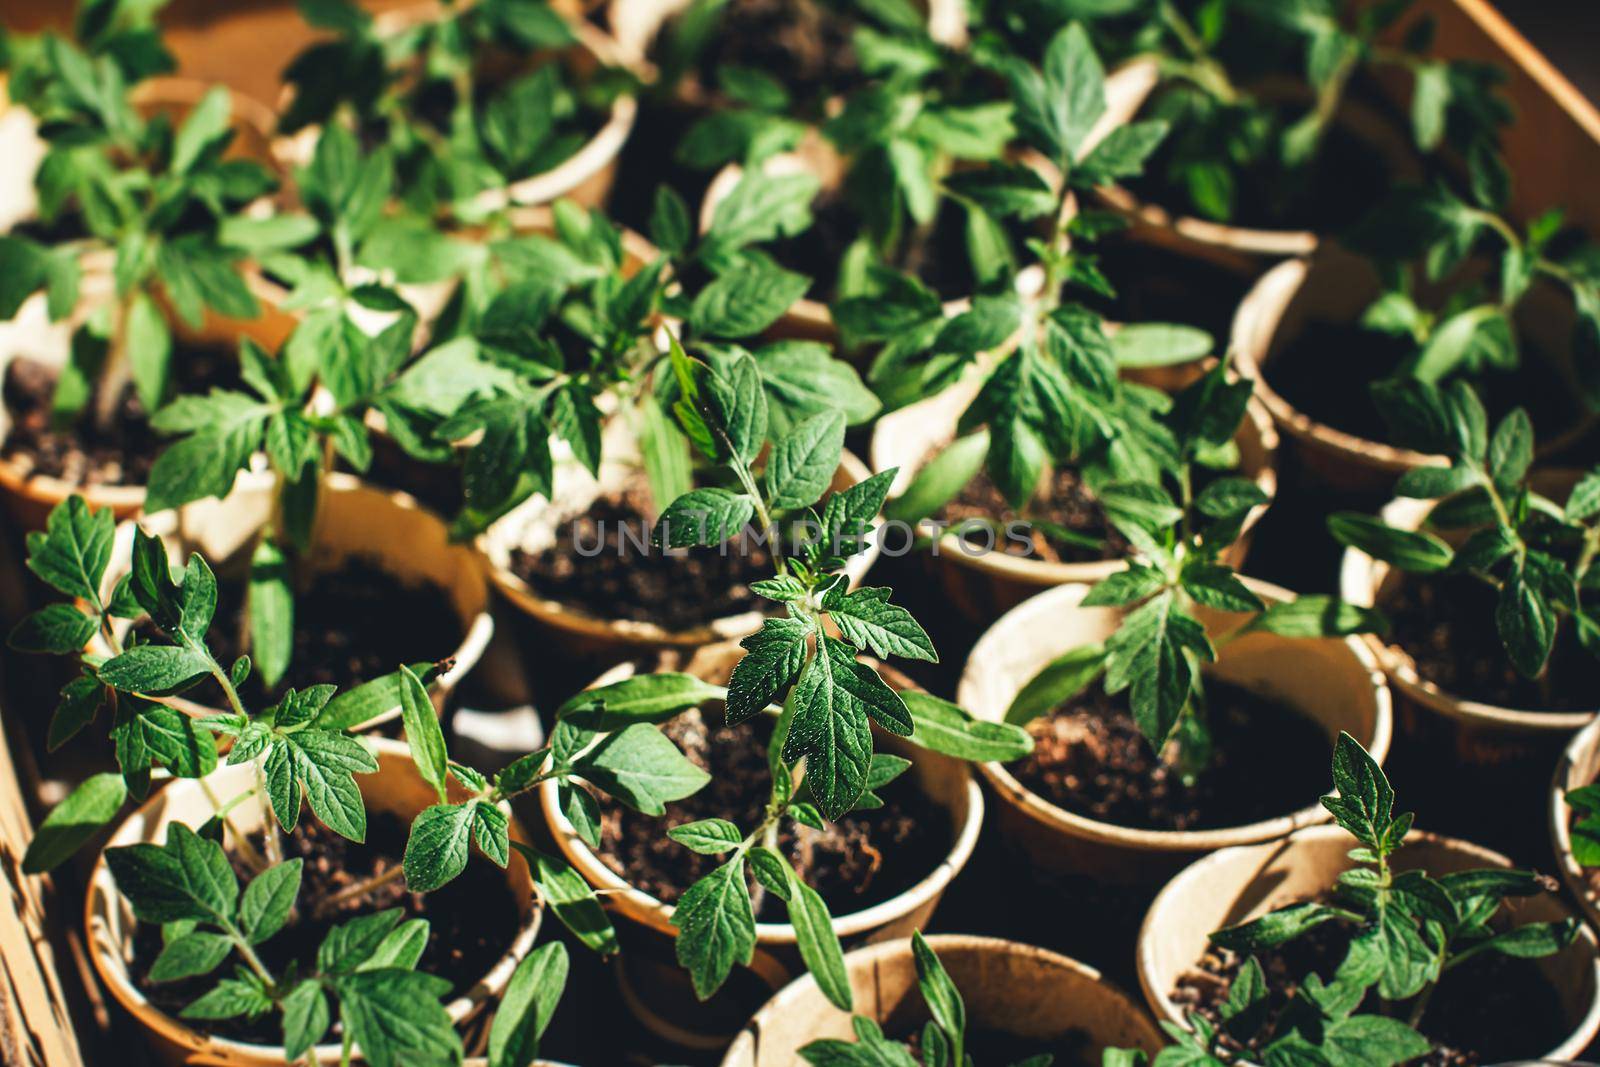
[(987, 1046), (1327, 371), (1348, 177), (1156, 284), (603, 562), (471, 920), (865, 858), (1445, 623), (1468, 1019), (83, 453), (1064, 523), (352, 624), (805, 44), (1091, 759)]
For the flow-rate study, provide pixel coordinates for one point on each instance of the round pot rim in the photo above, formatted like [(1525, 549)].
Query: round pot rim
[(1585, 741), (1045, 573), (1202, 869), (477, 631), (116, 979), (1137, 79), (182, 89), (598, 151), (1360, 578), (871, 956), (648, 911), (1041, 810), (570, 618)]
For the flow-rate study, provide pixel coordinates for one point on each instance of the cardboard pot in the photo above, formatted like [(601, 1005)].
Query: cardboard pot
[(1579, 766), (584, 177), (532, 526), (1337, 286), (984, 584), (1009, 988), (1240, 248), (1238, 884), (1331, 681), (354, 520), (657, 989), (395, 788)]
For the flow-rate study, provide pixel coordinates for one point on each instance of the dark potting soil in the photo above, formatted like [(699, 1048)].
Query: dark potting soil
[(1346, 181), (1328, 370), (1155, 284), (472, 920), (805, 44), (1445, 623), (985, 1046), (82, 453), (1490, 1009), (865, 858), (604, 563), (352, 624), (1091, 759), (1065, 502)]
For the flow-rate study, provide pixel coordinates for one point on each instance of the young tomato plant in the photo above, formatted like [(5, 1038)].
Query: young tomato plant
[(1407, 931), (1538, 554), (1179, 536), (1473, 331), (155, 196)]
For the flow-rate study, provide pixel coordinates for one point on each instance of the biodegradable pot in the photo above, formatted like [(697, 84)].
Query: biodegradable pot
[(657, 989), (354, 520), (1239, 884), (1579, 766), (1130, 87), (396, 788), (984, 584), (1335, 682), (584, 177), (1010, 988), (532, 527), (1336, 285)]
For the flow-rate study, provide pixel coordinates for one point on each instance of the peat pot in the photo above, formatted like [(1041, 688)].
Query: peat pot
[(1012, 989), (657, 989), (1579, 766), (395, 788), (1243, 883)]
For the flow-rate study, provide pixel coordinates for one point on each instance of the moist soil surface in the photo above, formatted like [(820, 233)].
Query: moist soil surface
[(1090, 758), (1065, 502), (472, 920), (1445, 623), (1327, 372), (865, 858), (1347, 180), (83, 453), (352, 625), (1155, 284), (804, 44), (603, 563), (1491, 1009)]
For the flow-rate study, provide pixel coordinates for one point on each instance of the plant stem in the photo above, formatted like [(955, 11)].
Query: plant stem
[(115, 374), (329, 905), (247, 851)]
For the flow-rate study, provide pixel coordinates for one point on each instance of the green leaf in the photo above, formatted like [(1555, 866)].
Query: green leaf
[(72, 553), (305, 1018), (1373, 1041), (746, 299), (189, 956), (149, 350), (1120, 155), (60, 629), (224, 430), (1274, 928), (350, 944), (355, 707), (773, 657), (716, 927), (268, 900), (706, 516), (1365, 803), (526, 1007), (423, 733), (1156, 344), (1318, 616), (326, 763), (1526, 622), (1057, 106), (868, 620), (939, 993), (80, 703), (1410, 550), (1125, 587), (85, 812), (941, 479), (436, 851), (670, 228), (1152, 654), (761, 207), (571, 899), (830, 731), (802, 464), (642, 768), (154, 669), (1511, 449), (642, 698), (271, 612), (819, 944), (397, 1019), (1059, 681), (1216, 586), (188, 878), (1532, 941), (230, 998), (709, 837), (941, 726)]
